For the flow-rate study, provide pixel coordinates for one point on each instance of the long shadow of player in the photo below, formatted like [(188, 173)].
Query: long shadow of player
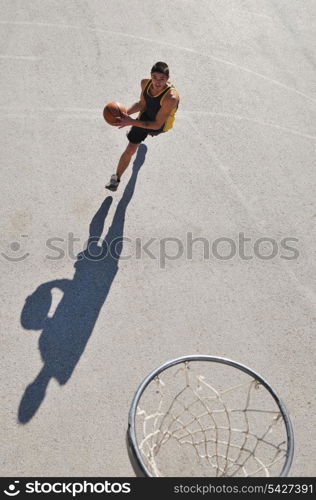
[(66, 334)]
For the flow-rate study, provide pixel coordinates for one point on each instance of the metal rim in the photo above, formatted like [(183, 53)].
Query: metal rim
[(135, 454)]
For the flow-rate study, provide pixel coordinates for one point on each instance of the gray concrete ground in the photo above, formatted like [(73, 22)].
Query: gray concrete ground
[(240, 160)]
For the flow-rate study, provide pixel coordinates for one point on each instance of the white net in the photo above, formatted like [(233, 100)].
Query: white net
[(212, 420)]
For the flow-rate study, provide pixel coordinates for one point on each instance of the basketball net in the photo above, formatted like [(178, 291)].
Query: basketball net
[(204, 431)]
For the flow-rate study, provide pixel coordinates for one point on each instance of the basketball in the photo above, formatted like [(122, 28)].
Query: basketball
[(112, 111)]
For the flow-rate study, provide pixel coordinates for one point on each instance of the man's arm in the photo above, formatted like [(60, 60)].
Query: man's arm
[(141, 104), (169, 103)]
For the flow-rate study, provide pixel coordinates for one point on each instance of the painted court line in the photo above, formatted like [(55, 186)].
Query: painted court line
[(245, 118), (168, 44), (24, 58), (306, 291)]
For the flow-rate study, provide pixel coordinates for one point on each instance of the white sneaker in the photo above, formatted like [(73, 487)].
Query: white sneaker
[(113, 184)]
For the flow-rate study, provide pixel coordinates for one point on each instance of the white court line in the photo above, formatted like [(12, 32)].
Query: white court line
[(306, 291), (24, 58), (98, 113), (94, 114), (249, 13), (245, 118), (50, 110), (261, 15), (233, 186), (167, 44)]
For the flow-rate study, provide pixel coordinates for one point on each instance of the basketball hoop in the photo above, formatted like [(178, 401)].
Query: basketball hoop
[(208, 416)]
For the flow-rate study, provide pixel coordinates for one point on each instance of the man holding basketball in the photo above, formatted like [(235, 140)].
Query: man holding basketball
[(157, 106)]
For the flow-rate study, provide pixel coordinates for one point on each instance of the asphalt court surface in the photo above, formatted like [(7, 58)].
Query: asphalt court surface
[(239, 166)]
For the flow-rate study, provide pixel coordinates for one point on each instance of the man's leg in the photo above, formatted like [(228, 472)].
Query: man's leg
[(125, 159), (135, 136), (123, 163)]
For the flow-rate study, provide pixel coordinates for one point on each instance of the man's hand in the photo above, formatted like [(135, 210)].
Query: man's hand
[(124, 120)]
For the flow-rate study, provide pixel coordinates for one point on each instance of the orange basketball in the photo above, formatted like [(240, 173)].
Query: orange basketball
[(113, 110)]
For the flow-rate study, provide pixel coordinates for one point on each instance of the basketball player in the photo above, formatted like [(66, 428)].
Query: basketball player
[(157, 106)]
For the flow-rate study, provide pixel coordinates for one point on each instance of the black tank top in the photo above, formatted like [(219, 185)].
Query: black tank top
[(153, 103)]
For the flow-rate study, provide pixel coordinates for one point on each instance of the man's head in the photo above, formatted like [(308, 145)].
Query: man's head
[(159, 75)]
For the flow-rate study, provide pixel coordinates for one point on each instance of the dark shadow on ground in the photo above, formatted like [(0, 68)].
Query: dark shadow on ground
[(65, 335)]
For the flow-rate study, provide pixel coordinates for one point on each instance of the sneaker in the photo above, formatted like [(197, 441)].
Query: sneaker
[(113, 184)]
